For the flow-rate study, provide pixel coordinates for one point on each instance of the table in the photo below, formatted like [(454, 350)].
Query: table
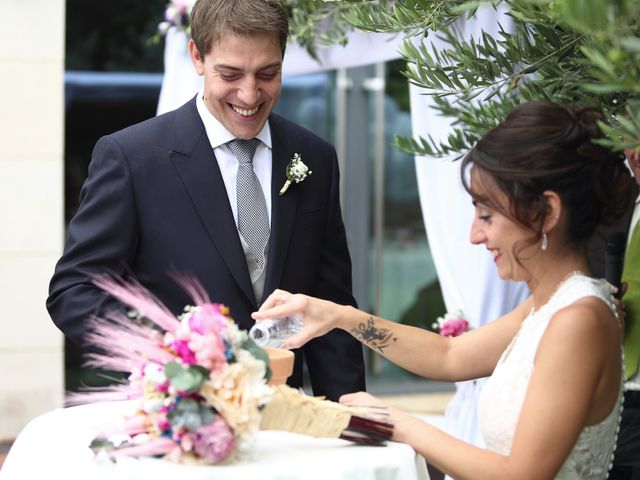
[(55, 445)]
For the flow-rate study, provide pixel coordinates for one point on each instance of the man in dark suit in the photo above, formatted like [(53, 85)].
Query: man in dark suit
[(626, 462), (163, 196)]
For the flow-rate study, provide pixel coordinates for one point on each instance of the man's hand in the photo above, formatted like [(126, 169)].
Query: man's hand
[(620, 304)]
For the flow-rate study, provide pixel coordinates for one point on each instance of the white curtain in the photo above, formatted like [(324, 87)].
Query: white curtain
[(466, 273), (180, 81)]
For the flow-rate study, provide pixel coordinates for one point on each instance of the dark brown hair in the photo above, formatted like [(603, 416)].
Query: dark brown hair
[(542, 146), (212, 19)]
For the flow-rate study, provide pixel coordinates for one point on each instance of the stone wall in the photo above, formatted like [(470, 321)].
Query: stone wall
[(31, 207)]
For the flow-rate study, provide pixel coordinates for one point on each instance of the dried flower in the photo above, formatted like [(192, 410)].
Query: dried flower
[(214, 442)]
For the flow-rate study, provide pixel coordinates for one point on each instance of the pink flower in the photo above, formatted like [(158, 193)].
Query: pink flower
[(454, 327), (214, 441), (164, 424), (163, 387), (209, 319), (181, 347), (209, 351), (452, 324)]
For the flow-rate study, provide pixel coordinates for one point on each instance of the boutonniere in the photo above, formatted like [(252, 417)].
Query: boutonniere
[(296, 172)]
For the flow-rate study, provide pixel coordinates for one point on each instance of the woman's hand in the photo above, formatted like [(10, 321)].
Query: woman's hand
[(402, 422), (319, 316)]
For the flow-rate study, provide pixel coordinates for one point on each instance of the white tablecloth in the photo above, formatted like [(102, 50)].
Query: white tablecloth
[(55, 445)]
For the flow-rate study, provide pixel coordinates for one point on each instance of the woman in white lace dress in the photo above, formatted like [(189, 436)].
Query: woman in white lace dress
[(551, 407)]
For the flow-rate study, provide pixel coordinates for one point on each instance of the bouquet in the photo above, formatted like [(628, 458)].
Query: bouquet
[(452, 324), (200, 383)]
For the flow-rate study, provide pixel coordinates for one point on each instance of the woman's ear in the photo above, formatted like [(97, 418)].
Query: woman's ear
[(553, 210)]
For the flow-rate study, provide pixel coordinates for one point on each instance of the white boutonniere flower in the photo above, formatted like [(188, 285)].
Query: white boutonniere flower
[(296, 172)]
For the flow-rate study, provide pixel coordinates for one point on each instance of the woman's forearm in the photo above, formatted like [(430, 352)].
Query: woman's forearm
[(469, 356), (417, 350)]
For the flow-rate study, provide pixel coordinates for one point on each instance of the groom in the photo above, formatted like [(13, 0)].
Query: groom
[(180, 194)]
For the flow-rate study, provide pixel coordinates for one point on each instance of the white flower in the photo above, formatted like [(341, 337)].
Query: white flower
[(171, 13), (152, 405), (154, 374), (296, 172), (299, 170), (163, 28)]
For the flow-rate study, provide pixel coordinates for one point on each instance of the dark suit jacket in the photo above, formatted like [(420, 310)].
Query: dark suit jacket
[(597, 245), (154, 202), (627, 455)]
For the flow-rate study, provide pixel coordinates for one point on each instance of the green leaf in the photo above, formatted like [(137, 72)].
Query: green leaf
[(98, 444), (172, 369), (601, 88), (599, 60), (187, 379), (631, 44), (190, 414), (584, 14)]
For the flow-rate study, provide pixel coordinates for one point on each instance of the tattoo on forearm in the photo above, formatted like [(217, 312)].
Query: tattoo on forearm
[(376, 338)]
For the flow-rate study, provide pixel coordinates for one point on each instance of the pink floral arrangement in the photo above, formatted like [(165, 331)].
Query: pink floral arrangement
[(452, 324), (176, 14), (199, 384), (199, 380)]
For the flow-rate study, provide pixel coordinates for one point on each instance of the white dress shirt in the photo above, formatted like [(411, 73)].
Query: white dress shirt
[(219, 136)]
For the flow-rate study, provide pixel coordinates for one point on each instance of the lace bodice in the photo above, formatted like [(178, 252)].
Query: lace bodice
[(501, 400)]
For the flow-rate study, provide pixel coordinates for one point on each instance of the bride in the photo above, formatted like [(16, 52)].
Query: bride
[(552, 405)]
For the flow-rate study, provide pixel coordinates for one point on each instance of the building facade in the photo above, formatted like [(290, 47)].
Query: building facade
[(31, 207)]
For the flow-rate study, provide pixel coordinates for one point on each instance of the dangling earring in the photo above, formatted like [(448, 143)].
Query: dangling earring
[(545, 242)]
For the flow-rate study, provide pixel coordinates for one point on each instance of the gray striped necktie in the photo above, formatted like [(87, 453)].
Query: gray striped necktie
[(253, 218)]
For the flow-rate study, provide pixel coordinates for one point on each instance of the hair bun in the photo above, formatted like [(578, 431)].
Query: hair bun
[(587, 121), (583, 129)]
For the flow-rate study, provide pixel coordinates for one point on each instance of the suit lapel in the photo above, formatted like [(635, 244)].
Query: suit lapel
[(198, 169), (283, 207)]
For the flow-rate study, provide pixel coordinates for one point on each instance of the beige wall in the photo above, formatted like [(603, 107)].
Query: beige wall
[(31, 207)]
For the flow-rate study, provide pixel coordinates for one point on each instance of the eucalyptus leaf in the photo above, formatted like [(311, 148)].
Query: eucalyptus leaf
[(172, 369), (101, 444), (190, 414), (187, 378)]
